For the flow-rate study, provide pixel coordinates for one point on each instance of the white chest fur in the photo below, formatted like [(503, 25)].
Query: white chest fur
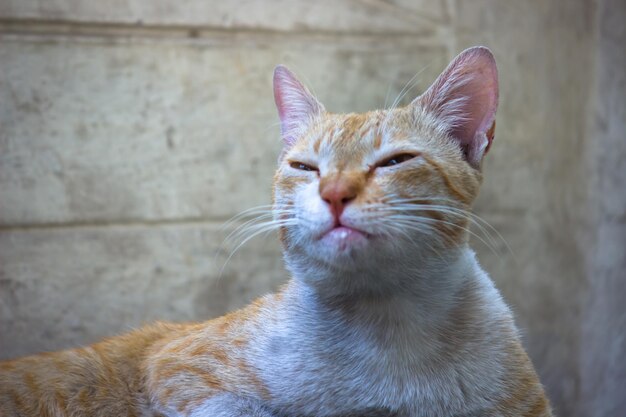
[(405, 354)]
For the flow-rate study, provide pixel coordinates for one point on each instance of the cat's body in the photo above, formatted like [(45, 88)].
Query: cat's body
[(384, 316), (401, 353)]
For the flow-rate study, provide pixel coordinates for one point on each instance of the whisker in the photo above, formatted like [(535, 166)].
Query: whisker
[(483, 225), (265, 214), (250, 226), (431, 220), (248, 223), (264, 208), (428, 232), (407, 87), (266, 227), (254, 225), (387, 95)]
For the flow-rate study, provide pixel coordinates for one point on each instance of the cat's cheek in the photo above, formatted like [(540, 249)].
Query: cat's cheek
[(315, 214)]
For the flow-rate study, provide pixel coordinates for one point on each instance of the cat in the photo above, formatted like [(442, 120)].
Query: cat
[(388, 312)]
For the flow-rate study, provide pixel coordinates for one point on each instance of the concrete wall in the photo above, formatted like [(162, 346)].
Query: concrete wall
[(131, 130)]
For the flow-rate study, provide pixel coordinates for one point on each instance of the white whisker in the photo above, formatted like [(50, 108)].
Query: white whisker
[(427, 230), (484, 227), (257, 230), (252, 210), (407, 87), (431, 220)]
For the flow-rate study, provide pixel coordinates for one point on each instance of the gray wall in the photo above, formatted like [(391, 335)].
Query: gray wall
[(131, 130)]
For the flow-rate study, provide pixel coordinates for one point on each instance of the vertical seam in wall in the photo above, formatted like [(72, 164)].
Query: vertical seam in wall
[(588, 232)]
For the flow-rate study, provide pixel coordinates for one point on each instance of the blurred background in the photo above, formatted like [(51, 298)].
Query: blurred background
[(131, 130)]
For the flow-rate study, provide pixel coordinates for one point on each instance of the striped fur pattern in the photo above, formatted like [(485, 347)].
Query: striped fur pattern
[(388, 312)]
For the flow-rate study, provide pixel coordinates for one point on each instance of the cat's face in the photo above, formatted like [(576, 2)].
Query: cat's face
[(355, 189)]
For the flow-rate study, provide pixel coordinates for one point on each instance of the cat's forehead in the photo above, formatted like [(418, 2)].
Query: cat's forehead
[(346, 138)]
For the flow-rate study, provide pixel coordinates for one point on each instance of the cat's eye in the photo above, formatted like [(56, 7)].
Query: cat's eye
[(302, 166), (396, 159)]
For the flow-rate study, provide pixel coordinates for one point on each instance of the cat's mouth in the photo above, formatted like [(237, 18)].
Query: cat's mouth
[(343, 237)]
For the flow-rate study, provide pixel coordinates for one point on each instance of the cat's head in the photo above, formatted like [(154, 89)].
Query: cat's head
[(364, 190)]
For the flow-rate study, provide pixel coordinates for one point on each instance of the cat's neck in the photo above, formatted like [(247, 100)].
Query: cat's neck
[(416, 293)]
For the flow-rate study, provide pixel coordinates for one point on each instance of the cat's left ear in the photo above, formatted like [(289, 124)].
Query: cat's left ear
[(465, 97), (297, 107)]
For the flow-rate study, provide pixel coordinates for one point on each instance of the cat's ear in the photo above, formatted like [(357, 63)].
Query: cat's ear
[(297, 107), (465, 97)]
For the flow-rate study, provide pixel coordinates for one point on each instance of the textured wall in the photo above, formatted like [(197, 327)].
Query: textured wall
[(130, 130)]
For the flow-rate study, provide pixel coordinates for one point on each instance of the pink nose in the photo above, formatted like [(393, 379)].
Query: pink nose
[(337, 194)]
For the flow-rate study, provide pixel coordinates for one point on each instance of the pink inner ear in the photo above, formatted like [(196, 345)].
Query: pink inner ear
[(296, 106), (465, 97)]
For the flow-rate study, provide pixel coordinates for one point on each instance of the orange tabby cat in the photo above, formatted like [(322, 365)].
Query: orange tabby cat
[(388, 312)]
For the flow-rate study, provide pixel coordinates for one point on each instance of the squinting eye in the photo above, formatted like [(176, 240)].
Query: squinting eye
[(396, 159), (302, 166)]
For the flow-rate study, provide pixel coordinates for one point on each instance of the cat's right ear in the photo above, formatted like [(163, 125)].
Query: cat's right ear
[(297, 107), (465, 97)]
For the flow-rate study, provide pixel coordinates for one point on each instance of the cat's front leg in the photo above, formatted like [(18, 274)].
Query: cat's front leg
[(231, 405)]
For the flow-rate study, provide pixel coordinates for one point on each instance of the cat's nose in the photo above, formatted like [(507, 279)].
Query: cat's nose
[(338, 194)]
